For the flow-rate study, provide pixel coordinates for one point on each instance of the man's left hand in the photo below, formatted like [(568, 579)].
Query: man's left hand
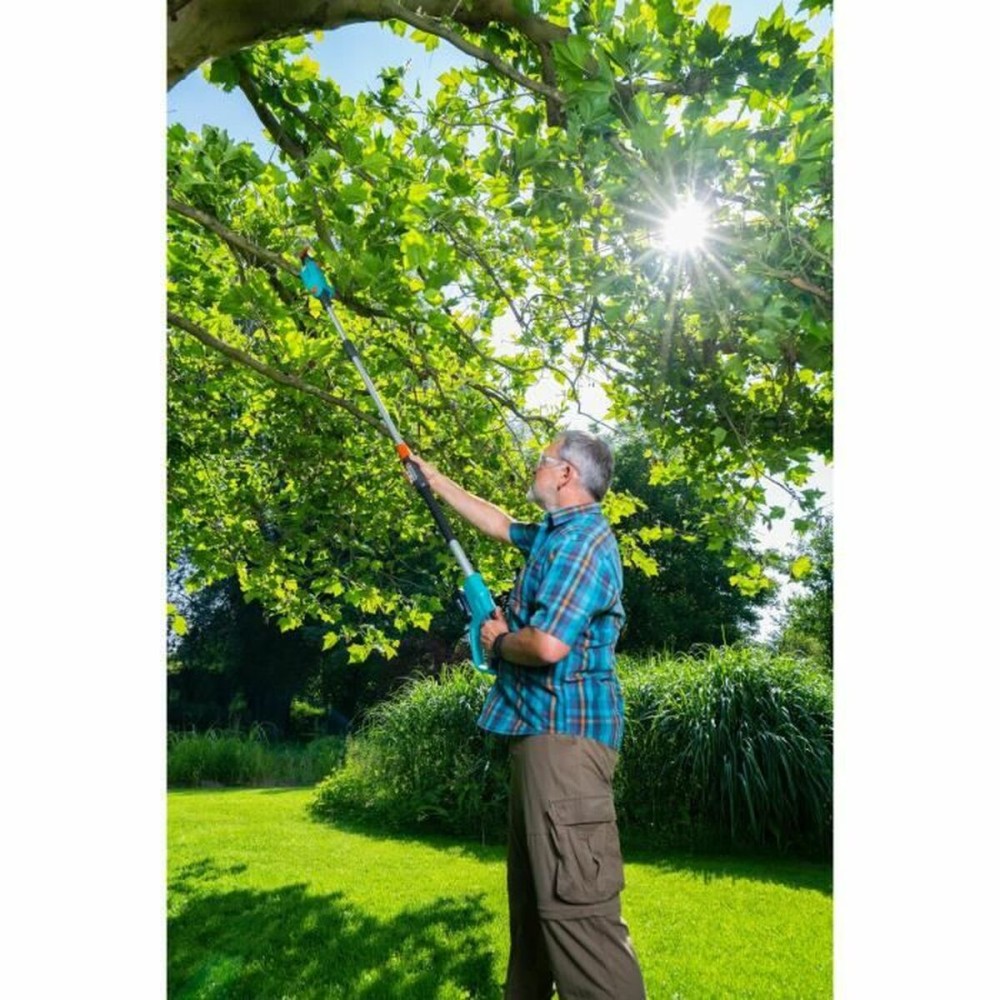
[(491, 628)]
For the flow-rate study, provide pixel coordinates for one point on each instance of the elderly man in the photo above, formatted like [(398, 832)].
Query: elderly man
[(558, 700)]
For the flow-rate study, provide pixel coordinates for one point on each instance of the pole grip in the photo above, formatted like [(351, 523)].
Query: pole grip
[(421, 485)]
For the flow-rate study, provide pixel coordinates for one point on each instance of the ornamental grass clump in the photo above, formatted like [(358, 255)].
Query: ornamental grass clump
[(732, 748), (420, 762)]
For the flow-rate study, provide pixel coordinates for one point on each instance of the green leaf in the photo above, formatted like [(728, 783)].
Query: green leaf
[(429, 41), (417, 194), (718, 17), (415, 248), (224, 72), (800, 567), (667, 18)]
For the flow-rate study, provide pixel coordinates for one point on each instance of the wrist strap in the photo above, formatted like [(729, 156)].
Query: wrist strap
[(497, 647)]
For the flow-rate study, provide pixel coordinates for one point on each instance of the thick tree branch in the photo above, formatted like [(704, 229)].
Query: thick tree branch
[(259, 254), (207, 29), (282, 378)]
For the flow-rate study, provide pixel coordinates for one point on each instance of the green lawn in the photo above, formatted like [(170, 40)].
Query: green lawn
[(265, 903)]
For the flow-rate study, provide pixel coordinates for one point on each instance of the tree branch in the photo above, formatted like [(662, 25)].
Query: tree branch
[(499, 398), (434, 26), (291, 147), (282, 378), (205, 29), (234, 239), (265, 257)]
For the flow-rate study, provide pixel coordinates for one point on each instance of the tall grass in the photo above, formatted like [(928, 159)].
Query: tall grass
[(232, 758), (420, 760), (729, 749)]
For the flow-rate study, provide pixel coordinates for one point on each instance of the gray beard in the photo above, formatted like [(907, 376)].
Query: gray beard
[(534, 498)]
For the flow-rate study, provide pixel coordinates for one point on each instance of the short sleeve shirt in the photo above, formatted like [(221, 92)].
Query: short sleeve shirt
[(570, 587)]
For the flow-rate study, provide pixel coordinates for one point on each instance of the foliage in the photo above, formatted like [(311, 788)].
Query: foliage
[(488, 203), (233, 666), (420, 761), (732, 749), (735, 747), (807, 626), (689, 600), (264, 902), (231, 757)]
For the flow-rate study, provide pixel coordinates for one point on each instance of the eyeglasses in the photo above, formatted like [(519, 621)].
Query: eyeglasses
[(544, 460)]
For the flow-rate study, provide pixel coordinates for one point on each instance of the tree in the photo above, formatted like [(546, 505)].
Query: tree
[(689, 601), (807, 625), (233, 666), (527, 190)]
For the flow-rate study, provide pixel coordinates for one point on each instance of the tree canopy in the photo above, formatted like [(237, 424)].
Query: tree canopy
[(528, 193)]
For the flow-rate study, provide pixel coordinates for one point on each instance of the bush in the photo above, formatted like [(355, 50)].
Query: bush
[(732, 749), (420, 761), (233, 758)]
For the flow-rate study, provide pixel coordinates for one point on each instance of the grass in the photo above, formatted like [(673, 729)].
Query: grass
[(266, 903), (248, 759)]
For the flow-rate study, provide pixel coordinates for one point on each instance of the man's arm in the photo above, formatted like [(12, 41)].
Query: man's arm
[(489, 519), (530, 647)]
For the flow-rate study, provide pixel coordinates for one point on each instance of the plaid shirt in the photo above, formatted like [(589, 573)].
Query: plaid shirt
[(570, 587)]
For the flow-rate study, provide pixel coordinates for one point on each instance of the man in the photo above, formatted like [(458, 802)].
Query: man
[(557, 697)]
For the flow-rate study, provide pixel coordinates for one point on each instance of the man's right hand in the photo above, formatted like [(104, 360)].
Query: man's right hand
[(488, 519), (431, 473)]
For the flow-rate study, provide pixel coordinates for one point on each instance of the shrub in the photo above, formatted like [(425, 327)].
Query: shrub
[(730, 749), (230, 757), (734, 748), (420, 761)]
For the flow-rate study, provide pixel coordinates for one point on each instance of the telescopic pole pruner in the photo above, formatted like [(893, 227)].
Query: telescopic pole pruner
[(475, 595)]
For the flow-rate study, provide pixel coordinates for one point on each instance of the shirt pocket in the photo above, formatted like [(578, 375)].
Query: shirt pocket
[(589, 860)]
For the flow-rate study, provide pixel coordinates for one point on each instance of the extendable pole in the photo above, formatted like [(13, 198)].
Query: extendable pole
[(476, 599)]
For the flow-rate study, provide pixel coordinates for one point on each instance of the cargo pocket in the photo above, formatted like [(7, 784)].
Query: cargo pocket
[(589, 860)]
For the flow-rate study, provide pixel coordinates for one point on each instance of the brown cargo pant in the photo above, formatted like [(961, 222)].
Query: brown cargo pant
[(564, 875)]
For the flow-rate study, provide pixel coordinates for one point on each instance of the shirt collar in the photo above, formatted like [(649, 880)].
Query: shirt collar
[(556, 517)]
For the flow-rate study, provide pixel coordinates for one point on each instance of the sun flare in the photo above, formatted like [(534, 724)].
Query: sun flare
[(685, 228)]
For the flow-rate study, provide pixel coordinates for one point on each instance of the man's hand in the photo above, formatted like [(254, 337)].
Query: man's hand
[(431, 473), (491, 628), (488, 519)]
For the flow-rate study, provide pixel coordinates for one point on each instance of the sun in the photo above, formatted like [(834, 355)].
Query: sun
[(685, 228)]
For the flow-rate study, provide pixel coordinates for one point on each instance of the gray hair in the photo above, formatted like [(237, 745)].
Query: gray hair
[(592, 459)]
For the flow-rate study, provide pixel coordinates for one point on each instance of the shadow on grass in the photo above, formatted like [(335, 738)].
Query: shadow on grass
[(259, 945), (793, 873), (494, 850), (772, 868)]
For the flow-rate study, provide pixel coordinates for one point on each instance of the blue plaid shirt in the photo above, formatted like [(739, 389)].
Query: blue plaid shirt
[(570, 587)]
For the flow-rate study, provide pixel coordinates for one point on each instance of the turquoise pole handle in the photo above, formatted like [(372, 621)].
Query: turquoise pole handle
[(481, 607)]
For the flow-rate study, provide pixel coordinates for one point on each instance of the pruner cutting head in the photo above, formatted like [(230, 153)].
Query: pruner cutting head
[(312, 277)]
